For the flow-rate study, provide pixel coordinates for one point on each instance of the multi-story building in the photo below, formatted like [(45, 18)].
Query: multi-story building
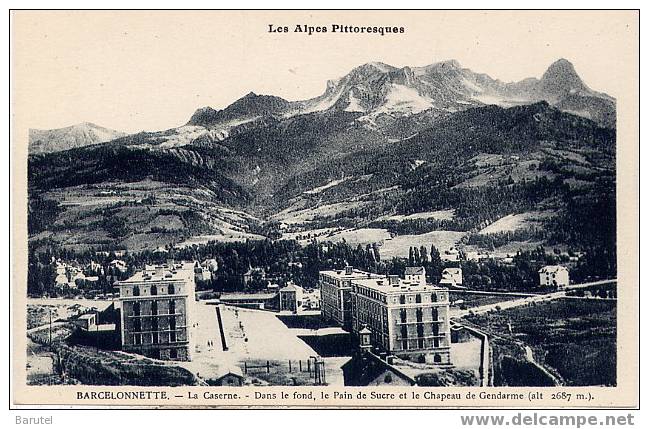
[(157, 306), (407, 318), (335, 293), (554, 276)]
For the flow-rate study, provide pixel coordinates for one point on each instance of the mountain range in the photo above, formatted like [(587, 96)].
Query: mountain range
[(379, 143)]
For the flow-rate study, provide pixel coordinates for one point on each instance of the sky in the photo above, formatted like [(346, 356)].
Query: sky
[(146, 70)]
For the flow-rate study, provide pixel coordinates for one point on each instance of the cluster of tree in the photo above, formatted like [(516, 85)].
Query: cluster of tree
[(41, 269), (41, 213)]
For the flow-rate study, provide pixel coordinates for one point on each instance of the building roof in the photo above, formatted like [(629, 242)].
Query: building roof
[(234, 370), (452, 270), (355, 274), (415, 271), (383, 285), (291, 288), (247, 296), (178, 272), (87, 316)]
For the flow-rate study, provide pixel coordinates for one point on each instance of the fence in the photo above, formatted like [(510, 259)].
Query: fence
[(314, 367)]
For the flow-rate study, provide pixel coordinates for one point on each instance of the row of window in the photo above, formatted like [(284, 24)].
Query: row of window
[(137, 309), (420, 330), (403, 314), (155, 338), (171, 290), (405, 344), (137, 324)]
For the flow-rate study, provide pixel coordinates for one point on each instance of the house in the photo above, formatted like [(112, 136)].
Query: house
[(202, 274), (311, 300), (211, 265), (119, 265), (87, 321), (416, 275), (450, 255), (228, 377), (290, 298), (554, 276), (253, 274), (451, 277)]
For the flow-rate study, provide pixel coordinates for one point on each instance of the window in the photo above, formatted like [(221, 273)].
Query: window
[(404, 345), (137, 339), (418, 298), (173, 354), (137, 325), (420, 343), (435, 329), (154, 290), (136, 309), (172, 307), (435, 342), (136, 291), (435, 314), (404, 331), (420, 315), (437, 358), (433, 297), (404, 315), (154, 308), (402, 299), (171, 289)]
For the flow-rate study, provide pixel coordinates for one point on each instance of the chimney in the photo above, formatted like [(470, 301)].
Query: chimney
[(393, 280), (349, 270), (159, 270)]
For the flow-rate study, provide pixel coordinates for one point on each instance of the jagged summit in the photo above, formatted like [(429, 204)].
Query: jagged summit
[(377, 89)]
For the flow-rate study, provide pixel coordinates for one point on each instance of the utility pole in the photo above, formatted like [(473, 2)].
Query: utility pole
[(50, 312)]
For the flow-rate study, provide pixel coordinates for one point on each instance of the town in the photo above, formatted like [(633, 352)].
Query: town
[(198, 316)]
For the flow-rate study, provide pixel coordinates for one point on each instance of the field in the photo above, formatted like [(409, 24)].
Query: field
[(573, 339), (141, 215), (470, 300), (397, 246), (513, 222)]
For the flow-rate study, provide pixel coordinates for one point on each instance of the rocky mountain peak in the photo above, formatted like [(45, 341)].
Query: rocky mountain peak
[(561, 79)]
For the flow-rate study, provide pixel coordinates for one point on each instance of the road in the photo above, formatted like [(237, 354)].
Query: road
[(504, 305)]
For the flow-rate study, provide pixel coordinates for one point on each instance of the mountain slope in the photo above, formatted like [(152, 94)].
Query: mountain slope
[(380, 142), (75, 136)]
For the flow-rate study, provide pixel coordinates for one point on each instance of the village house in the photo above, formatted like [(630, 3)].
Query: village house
[(416, 275), (451, 277), (555, 276)]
